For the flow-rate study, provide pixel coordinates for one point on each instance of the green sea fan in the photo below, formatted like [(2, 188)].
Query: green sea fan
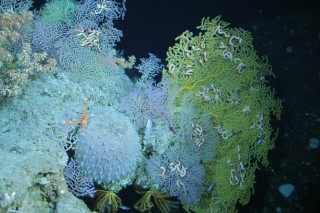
[(58, 12)]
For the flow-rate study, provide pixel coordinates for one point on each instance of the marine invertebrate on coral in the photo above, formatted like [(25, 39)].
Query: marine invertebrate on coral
[(90, 38), (108, 149), (73, 24), (178, 172), (83, 120)]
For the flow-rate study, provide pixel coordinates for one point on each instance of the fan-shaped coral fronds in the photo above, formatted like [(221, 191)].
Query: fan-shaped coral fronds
[(150, 197), (107, 199)]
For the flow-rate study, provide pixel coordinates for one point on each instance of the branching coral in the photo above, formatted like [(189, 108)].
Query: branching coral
[(78, 183), (178, 172), (18, 61)]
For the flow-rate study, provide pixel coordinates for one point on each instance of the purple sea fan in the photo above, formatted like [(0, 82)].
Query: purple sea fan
[(149, 68), (78, 183), (45, 35), (178, 173), (141, 105)]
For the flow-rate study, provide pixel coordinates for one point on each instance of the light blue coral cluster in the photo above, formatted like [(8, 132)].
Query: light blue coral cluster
[(178, 173)]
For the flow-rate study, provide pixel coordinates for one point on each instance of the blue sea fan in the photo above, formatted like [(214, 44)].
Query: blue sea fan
[(178, 173), (195, 134), (179, 170), (203, 138), (143, 104), (69, 52), (45, 35), (149, 68), (16, 5)]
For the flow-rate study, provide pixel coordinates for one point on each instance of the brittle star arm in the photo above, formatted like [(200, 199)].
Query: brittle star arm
[(83, 118)]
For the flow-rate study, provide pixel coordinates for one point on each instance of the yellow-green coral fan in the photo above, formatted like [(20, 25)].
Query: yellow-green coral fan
[(161, 199), (226, 79), (107, 200)]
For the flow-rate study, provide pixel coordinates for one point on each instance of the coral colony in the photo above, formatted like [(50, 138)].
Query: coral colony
[(198, 135)]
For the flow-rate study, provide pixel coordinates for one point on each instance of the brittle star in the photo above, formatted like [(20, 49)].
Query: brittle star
[(83, 118)]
